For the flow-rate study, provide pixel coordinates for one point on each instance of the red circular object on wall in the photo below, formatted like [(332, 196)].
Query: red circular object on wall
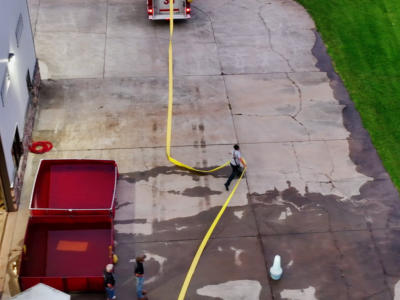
[(40, 147)]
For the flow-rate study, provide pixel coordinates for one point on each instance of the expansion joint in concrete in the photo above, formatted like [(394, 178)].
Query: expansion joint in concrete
[(329, 181), (341, 256), (78, 31), (198, 240), (297, 160), (105, 41), (254, 236), (230, 109), (255, 115), (181, 75), (316, 231), (379, 255), (339, 251), (208, 145), (330, 161)]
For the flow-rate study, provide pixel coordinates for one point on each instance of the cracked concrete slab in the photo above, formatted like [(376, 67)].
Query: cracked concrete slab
[(225, 29), (314, 86), (265, 95), (132, 107), (266, 129), (249, 54), (273, 169), (295, 46), (323, 122), (319, 161), (226, 10), (286, 14)]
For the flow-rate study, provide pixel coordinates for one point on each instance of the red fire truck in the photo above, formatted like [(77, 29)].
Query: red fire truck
[(159, 9)]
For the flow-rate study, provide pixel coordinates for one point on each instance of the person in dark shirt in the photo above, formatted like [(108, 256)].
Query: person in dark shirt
[(109, 282), (236, 162), (139, 273)]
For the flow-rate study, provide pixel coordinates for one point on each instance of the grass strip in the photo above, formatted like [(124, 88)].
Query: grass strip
[(363, 40)]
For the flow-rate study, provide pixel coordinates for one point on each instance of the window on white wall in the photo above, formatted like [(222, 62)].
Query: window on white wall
[(5, 83), (18, 29), (17, 150)]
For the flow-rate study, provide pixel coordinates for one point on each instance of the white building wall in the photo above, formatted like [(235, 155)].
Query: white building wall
[(12, 113)]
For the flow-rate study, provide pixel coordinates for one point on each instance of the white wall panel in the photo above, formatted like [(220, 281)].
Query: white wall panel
[(12, 113)]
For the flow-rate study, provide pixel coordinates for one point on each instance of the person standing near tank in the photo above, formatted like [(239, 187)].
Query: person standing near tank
[(109, 282), (139, 273), (236, 162)]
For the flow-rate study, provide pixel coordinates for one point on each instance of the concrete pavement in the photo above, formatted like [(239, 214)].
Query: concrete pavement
[(254, 73)]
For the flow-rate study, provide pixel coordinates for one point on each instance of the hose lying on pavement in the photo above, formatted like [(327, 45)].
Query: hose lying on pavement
[(203, 244)]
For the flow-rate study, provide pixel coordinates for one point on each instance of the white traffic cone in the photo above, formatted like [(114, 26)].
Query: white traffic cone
[(276, 269)]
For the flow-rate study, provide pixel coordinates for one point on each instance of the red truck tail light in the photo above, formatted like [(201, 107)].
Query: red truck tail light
[(150, 7), (188, 9)]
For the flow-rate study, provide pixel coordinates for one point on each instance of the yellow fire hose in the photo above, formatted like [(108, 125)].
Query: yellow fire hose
[(180, 164)]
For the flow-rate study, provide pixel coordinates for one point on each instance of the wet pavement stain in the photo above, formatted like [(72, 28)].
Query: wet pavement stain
[(174, 192), (200, 191), (292, 195), (288, 211), (236, 219), (202, 143), (339, 236), (166, 259), (52, 95)]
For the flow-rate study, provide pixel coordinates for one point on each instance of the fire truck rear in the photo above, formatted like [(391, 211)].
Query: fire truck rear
[(159, 9)]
